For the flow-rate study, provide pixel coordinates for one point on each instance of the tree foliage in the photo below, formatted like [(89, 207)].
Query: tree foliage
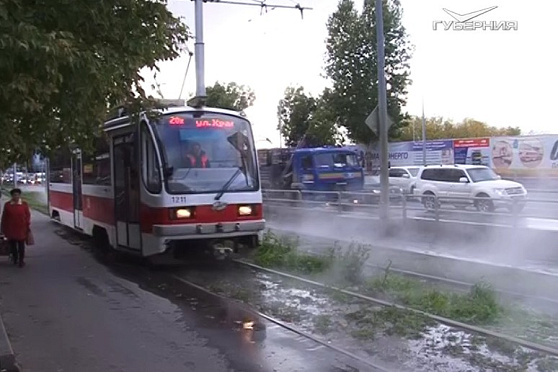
[(439, 128), (301, 115), (351, 65), (230, 96), (63, 63)]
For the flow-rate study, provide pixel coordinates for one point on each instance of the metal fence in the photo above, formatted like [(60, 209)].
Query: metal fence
[(508, 212)]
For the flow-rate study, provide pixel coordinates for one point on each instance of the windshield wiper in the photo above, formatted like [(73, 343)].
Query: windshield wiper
[(228, 184)]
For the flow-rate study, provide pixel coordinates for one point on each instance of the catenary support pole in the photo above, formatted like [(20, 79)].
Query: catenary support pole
[(382, 114), (199, 50)]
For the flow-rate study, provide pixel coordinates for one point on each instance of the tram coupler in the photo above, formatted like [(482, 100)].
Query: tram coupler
[(220, 251)]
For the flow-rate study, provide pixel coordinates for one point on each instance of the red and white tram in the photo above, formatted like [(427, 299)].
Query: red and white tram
[(146, 190)]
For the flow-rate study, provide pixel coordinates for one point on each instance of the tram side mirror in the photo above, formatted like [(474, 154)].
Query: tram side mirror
[(168, 171)]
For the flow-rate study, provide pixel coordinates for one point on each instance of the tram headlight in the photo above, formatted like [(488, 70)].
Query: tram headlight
[(245, 210), (183, 213)]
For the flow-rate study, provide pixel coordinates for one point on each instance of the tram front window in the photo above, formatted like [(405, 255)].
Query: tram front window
[(203, 152)]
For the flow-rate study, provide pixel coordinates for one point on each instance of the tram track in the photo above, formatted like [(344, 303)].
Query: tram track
[(258, 314), (517, 278), (137, 270), (365, 363), (450, 322), (466, 286)]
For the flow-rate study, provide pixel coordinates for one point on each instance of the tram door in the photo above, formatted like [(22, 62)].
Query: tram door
[(77, 190), (126, 192)]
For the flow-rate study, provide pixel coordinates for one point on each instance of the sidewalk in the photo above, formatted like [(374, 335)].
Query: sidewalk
[(65, 312)]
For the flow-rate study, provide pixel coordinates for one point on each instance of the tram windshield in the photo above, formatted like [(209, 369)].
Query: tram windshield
[(204, 151)]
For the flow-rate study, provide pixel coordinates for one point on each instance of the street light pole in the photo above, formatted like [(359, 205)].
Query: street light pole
[(382, 113)]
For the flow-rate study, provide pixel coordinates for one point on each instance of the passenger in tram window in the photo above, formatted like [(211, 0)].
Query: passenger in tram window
[(196, 157)]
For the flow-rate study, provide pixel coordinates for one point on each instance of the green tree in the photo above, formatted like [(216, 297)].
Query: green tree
[(351, 65), (230, 96), (63, 63), (440, 128), (301, 115)]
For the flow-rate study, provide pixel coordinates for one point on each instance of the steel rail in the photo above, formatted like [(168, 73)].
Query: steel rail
[(285, 325), (467, 285), (486, 332)]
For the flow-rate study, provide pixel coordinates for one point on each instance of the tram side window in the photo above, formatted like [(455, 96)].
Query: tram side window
[(150, 168), (96, 166), (60, 167)]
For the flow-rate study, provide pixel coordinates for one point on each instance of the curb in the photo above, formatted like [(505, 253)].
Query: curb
[(7, 357)]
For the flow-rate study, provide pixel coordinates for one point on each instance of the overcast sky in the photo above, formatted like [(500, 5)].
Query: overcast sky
[(500, 77)]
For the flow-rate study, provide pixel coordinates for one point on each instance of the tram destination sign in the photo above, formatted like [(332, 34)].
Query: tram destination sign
[(192, 122)]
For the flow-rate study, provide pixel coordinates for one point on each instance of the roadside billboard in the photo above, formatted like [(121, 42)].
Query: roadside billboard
[(519, 156), (530, 156), (410, 153), (472, 151)]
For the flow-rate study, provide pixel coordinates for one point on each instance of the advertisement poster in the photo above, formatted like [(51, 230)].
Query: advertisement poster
[(533, 156), (410, 153), (437, 152), (521, 156), (474, 151)]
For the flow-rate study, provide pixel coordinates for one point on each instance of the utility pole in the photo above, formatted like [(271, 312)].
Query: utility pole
[(199, 51), (382, 114), (423, 136)]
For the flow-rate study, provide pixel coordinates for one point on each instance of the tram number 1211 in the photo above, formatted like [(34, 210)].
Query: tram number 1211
[(178, 199)]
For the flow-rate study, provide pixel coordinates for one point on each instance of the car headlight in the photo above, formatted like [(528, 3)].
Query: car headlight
[(500, 192), (245, 210), (182, 213), (376, 191)]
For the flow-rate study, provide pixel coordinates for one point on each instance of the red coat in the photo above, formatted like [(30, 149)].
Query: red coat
[(16, 220)]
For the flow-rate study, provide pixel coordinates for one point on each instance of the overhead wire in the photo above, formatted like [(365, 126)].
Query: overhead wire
[(190, 54)]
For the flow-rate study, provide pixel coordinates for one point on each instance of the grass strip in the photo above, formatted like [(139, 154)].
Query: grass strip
[(479, 306)]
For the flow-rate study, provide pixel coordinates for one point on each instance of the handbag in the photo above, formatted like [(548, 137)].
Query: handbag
[(4, 247), (30, 238)]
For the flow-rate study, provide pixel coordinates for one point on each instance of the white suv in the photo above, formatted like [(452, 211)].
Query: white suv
[(468, 181)]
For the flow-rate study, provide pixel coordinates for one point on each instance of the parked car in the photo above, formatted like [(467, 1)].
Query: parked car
[(434, 183), (404, 177)]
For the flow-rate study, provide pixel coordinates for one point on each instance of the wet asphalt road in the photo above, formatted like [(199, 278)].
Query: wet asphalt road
[(66, 311)]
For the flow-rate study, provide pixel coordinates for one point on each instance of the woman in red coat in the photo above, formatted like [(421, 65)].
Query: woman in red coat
[(16, 224)]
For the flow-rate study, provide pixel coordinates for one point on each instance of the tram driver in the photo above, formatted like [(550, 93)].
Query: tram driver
[(196, 157)]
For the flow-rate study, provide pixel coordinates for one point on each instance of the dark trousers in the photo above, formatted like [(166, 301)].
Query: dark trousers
[(17, 248)]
